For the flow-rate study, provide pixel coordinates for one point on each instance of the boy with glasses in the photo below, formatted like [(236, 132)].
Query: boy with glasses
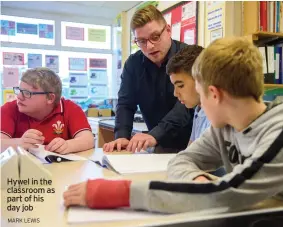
[(145, 83), (41, 116)]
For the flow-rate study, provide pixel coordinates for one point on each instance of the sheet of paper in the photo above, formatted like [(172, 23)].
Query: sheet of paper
[(168, 17), (82, 214), (140, 163), (176, 31), (41, 153), (10, 77)]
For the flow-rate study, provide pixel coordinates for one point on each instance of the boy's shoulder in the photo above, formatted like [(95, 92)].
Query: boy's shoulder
[(69, 107), (11, 108)]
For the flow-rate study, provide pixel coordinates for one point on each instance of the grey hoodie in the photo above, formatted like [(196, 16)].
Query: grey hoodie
[(253, 159)]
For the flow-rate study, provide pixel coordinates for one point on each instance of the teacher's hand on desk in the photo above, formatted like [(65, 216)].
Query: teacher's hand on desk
[(119, 144), (141, 141)]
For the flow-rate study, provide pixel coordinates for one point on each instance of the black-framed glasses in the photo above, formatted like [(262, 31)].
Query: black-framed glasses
[(28, 94), (155, 38)]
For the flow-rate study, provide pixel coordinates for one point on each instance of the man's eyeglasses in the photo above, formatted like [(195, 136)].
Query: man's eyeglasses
[(28, 94), (155, 38)]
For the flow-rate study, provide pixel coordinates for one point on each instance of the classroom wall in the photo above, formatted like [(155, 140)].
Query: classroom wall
[(232, 22), (58, 18), (49, 49)]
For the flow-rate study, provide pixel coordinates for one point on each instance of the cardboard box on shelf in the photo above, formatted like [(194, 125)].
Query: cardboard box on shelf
[(94, 112)]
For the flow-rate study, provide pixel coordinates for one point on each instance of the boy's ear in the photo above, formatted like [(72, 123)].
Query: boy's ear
[(51, 98), (215, 93)]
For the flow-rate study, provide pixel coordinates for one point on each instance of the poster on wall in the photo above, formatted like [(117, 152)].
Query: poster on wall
[(8, 95), (78, 92), (176, 31), (52, 62), (77, 64), (10, 77), (188, 23), (168, 17), (215, 14), (216, 34), (8, 27), (98, 76), (96, 35), (46, 31), (98, 91), (28, 29), (78, 79), (74, 33), (97, 63), (10, 58), (34, 60)]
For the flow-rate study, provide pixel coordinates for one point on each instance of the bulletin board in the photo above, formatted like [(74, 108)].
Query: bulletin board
[(183, 18)]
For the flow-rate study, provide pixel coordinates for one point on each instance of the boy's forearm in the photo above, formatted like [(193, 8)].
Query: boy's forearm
[(196, 160)]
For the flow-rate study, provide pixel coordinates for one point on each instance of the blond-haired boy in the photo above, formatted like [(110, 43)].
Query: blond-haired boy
[(247, 137)]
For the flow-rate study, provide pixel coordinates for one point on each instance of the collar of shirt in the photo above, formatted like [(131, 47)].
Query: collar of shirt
[(199, 112), (171, 52)]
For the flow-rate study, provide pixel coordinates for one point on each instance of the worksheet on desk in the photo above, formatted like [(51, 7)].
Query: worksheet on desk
[(83, 214), (139, 163)]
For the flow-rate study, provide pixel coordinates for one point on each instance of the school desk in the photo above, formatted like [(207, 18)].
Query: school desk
[(52, 213)]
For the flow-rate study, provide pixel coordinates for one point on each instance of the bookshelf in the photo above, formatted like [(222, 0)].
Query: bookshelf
[(252, 26), (267, 38), (268, 86)]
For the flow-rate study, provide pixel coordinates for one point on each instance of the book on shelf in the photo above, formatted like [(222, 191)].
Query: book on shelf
[(272, 63), (271, 16)]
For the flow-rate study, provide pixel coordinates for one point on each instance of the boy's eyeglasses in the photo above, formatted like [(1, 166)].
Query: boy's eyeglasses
[(155, 38), (28, 94)]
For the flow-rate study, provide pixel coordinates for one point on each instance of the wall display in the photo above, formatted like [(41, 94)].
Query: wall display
[(215, 14), (78, 79), (183, 20), (74, 33), (176, 31), (46, 31), (52, 62), (98, 91), (86, 35), (97, 63), (215, 20), (98, 76), (78, 92), (77, 64), (10, 77), (168, 18), (24, 28), (189, 27), (96, 35), (27, 30), (34, 60), (10, 58), (9, 95), (216, 34), (8, 27)]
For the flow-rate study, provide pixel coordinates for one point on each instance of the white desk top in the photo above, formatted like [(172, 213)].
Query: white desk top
[(52, 213)]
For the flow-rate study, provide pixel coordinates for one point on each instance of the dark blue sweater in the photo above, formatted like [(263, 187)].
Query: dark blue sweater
[(147, 85)]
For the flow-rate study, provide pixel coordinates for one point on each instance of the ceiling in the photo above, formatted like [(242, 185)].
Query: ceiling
[(103, 9)]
